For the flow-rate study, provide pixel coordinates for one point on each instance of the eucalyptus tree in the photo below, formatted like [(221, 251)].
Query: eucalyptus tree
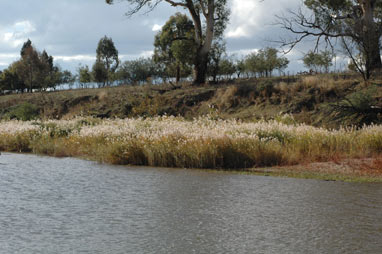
[(84, 75), (9, 80), (218, 49), (27, 67), (137, 71), (357, 22), (240, 67), (107, 56), (175, 46), (209, 17), (318, 61), (265, 61), (227, 68)]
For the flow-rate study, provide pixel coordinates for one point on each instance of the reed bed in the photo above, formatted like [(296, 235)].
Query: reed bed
[(202, 143)]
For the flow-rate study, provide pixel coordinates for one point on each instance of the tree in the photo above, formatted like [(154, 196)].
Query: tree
[(68, 78), (9, 80), (357, 64), (265, 61), (175, 46), (359, 21), (99, 73), (27, 67), (214, 58), (209, 17), (227, 68), (240, 67), (107, 55), (318, 61), (48, 75), (34, 70), (84, 75), (137, 71)]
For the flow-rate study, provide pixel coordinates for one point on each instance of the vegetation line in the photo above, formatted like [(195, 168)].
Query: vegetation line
[(202, 143)]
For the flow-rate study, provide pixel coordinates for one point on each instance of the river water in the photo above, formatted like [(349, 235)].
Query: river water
[(50, 205)]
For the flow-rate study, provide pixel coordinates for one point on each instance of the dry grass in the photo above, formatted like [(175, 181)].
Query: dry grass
[(201, 143)]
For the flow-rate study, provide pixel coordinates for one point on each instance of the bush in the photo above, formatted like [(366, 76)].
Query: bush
[(24, 112), (358, 108), (265, 88)]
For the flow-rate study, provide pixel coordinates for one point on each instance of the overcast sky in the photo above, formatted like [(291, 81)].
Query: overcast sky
[(69, 30)]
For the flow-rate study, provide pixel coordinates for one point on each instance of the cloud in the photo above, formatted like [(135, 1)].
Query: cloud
[(75, 58), (142, 54), (244, 18), (156, 28), (7, 58), (253, 18), (242, 52), (17, 34)]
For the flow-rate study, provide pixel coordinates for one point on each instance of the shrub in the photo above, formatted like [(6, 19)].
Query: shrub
[(358, 108), (24, 112)]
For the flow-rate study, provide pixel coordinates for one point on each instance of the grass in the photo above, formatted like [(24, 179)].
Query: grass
[(283, 122), (307, 98), (203, 143)]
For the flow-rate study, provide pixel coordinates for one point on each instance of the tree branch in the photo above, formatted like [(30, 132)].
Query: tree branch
[(173, 3)]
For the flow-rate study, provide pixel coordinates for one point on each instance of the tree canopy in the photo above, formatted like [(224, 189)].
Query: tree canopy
[(209, 18), (318, 62), (174, 46), (107, 60), (357, 22), (265, 61), (34, 70)]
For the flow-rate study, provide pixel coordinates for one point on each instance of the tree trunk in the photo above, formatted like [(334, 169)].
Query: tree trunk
[(204, 41), (373, 58), (200, 68), (370, 36), (177, 74)]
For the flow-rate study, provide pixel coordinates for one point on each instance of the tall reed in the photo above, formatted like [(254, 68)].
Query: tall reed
[(201, 143)]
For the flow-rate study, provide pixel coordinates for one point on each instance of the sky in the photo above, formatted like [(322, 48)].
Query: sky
[(69, 30)]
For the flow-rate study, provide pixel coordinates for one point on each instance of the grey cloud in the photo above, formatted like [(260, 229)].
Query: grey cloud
[(73, 27)]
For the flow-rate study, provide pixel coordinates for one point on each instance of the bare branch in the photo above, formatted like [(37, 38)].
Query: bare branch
[(173, 3), (305, 26)]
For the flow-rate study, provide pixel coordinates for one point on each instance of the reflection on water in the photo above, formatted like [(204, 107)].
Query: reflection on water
[(50, 205)]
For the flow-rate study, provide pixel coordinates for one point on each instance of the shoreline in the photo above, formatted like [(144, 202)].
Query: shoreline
[(268, 148), (364, 170), (340, 171)]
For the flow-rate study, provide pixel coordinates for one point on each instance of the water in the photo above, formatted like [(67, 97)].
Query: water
[(50, 205)]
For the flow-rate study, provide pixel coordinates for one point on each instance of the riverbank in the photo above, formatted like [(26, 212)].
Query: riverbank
[(345, 170), (328, 101), (278, 147)]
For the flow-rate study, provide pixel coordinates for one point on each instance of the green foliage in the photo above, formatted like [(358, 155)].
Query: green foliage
[(208, 26), (319, 62), (265, 88), (55, 131), (217, 51), (33, 71), (137, 71), (107, 60), (9, 80), (99, 73), (84, 75), (24, 112), (175, 46), (240, 67), (227, 68), (355, 21), (358, 108), (265, 61)]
